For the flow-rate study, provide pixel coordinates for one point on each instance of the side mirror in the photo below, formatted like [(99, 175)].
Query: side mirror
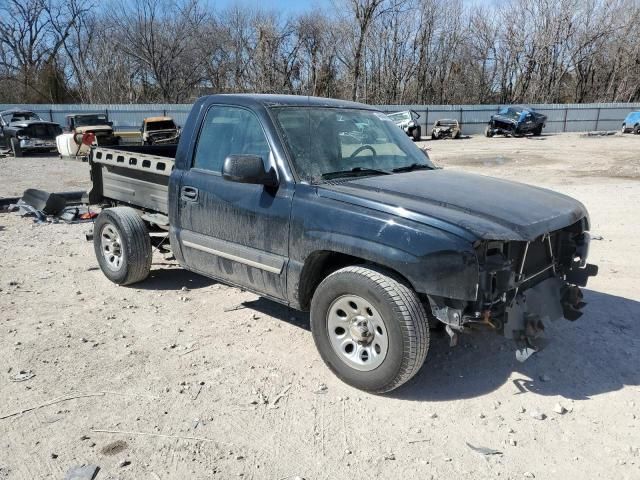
[(248, 169)]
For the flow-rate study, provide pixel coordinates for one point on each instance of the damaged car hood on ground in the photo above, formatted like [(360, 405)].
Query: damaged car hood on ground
[(465, 204)]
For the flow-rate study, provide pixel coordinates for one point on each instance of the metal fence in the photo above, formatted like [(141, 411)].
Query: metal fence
[(560, 117)]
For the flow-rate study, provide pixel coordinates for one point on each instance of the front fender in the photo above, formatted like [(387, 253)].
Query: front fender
[(435, 262)]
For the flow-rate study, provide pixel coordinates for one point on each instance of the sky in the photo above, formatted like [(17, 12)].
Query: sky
[(293, 6)]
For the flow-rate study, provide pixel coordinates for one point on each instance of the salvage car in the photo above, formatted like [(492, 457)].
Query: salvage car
[(516, 121), (266, 193), (159, 130), (96, 123), (24, 131), (631, 123), (446, 128), (408, 122)]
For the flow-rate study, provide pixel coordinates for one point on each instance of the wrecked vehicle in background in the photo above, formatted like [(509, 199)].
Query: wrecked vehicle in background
[(515, 121), (371, 238), (24, 131), (159, 131), (631, 123), (96, 123), (408, 122), (446, 128)]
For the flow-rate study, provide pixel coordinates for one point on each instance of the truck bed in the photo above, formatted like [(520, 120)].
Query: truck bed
[(132, 175)]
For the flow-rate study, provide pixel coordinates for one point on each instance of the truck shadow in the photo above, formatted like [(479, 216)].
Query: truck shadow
[(173, 278), (599, 353)]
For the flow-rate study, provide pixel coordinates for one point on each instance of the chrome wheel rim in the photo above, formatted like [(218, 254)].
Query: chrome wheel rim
[(111, 247), (357, 332)]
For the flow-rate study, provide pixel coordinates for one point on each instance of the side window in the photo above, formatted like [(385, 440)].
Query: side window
[(228, 131)]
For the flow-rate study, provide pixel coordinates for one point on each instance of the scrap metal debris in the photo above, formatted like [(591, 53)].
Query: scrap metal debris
[(484, 450), (22, 376), (83, 472), (51, 207)]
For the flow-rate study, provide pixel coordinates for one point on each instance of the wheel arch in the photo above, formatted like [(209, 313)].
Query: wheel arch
[(322, 263)]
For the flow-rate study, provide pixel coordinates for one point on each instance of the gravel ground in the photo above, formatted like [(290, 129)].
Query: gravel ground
[(182, 377)]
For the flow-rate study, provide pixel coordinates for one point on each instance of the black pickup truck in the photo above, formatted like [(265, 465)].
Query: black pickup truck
[(327, 206)]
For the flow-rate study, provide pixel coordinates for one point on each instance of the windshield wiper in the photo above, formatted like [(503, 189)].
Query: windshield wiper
[(413, 166), (356, 170)]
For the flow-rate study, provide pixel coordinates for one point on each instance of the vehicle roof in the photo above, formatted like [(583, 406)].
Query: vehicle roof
[(16, 110), (269, 100), (86, 114), (158, 119)]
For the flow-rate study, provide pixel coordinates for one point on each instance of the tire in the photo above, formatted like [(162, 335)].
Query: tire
[(537, 131), (434, 136), (15, 148), (122, 245), (636, 129), (416, 134), (393, 313), (488, 132), (457, 135), (623, 130)]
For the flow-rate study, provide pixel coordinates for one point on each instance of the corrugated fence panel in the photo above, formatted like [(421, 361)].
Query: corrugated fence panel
[(560, 118)]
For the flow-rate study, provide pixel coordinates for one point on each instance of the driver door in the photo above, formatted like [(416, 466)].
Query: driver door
[(236, 232)]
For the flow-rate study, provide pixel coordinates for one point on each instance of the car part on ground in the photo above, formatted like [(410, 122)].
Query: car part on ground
[(69, 207), (408, 122), (357, 226), (631, 123), (159, 131), (515, 121), (446, 128), (23, 131)]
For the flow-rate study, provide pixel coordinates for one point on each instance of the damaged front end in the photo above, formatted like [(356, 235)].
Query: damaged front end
[(522, 285)]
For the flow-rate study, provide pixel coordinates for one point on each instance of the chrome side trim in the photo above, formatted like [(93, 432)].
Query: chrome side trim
[(252, 257)]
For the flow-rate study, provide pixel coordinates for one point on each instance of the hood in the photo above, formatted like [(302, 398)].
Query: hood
[(27, 123), (467, 205), (94, 128)]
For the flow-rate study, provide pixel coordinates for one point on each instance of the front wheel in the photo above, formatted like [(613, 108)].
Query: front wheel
[(636, 129), (416, 134), (370, 328), (488, 132), (537, 131), (15, 147), (623, 129), (122, 245)]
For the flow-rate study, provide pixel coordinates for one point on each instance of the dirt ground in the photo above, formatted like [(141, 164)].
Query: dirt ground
[(180, 377)]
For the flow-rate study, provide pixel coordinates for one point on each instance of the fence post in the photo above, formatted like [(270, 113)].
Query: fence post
[(50, 115), (564, 125), (597, 119)]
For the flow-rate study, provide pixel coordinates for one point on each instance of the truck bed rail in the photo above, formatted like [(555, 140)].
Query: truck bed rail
[(143, 162)]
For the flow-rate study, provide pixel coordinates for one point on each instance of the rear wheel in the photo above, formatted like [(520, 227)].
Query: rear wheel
[(370, 328), (15, 147), (122, 245), (488, 132), (636, 129), (623, 129), (537, 131)]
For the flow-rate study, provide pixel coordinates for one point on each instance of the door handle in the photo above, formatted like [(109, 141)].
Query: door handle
[(189, 194)]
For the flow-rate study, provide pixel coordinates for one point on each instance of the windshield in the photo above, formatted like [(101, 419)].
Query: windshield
[(326, 141), (161, 125), (90, 120), (10, 117), (400, 116), (510, 113)]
